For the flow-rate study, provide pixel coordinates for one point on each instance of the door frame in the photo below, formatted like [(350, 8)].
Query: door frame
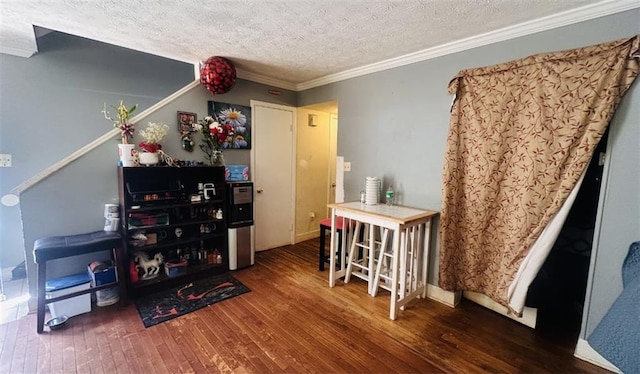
[(333, 155), (252, 156)]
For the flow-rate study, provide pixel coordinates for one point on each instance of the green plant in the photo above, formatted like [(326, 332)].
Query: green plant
[(122, 123)]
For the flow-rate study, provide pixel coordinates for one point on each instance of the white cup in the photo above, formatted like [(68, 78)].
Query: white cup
[(111, 224)]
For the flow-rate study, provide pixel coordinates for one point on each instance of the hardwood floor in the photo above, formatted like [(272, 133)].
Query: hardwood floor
[(291, 321)]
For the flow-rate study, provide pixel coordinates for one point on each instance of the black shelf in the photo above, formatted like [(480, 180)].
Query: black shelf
[(173, 225), (166, 192), (176, 242), (182, 204), (190, 271)]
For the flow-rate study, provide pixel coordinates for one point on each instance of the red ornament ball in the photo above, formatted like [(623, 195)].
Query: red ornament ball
[(218, 75)]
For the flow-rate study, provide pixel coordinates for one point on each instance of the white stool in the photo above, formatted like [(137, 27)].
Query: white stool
[(412, 265), (364, 256)]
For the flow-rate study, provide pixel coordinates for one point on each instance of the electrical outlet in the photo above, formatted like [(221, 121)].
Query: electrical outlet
[(347, 166), (5, 160), (312, 215)]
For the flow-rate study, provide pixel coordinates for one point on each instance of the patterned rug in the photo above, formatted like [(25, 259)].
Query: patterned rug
[(164, 305)]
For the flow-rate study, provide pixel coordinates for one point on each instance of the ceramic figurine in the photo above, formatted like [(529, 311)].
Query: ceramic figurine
[(150, 267)]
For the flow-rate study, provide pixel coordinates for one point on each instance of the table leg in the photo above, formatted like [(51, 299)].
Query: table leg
[(394, 275), (370, 257), (425, 256), (402, 276)]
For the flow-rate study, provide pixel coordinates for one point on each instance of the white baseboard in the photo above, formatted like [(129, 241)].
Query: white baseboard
[(529, 315), (445, 297), (586, 353), (307, 236)]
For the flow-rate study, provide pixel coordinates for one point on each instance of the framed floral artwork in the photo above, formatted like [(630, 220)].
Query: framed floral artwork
[(239, 118)]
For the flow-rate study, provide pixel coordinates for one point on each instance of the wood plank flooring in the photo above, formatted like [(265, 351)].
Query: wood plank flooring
[(291, 321)]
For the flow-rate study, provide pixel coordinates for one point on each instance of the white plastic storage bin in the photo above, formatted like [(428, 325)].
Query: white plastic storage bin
[(64, 286)]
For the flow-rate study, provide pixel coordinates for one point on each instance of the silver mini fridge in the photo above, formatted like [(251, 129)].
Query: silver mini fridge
[(240, 224)]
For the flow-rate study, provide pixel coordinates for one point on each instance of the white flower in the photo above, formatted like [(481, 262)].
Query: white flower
[(233, 117), (154, 132)]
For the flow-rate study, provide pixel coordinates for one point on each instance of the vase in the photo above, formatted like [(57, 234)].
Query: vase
[(217, 159), (148, 158), (125, 151)]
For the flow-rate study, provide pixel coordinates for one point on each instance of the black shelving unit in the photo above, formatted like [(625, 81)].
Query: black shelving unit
[(164, 205)]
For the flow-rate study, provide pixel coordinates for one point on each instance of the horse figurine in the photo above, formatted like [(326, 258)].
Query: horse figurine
[(150, 267)]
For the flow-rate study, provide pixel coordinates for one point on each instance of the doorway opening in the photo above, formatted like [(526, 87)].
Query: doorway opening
[(316, 151), (558, 291)]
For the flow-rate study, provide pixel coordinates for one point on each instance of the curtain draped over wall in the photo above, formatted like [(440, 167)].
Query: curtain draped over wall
[(521, 134)]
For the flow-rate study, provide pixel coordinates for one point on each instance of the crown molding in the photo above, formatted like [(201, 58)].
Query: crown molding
[(258, 78), (585, 13), (249, 76)]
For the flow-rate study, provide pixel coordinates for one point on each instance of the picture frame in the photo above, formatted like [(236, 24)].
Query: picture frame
[(186, 120), (239, 117)]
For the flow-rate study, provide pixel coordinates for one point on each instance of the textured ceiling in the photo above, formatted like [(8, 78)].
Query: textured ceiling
[(287, 41)]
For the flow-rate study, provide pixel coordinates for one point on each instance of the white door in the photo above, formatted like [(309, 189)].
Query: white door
[(272, 159)]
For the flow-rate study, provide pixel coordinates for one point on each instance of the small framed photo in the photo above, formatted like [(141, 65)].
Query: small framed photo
[(186, 120)]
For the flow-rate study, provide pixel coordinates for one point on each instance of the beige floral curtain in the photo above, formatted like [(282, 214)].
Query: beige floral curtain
[(521, 134)]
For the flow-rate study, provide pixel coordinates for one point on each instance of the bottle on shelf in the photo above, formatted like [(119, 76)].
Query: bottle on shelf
[(201, 191), (390, 195)]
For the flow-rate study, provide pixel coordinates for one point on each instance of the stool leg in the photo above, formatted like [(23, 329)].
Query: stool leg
[(322, 242), (42, 278), (339, 249)]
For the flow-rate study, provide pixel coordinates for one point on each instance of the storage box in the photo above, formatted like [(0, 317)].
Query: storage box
[(236, 173), (64, 286), (142, 220), (175, 268), (103, 273)]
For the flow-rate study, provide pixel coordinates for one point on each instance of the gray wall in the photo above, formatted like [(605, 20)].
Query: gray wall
[(196, 101), (51, 105), (394, 124)]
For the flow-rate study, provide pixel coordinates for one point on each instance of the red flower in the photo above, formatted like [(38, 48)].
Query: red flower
[(150, 147)]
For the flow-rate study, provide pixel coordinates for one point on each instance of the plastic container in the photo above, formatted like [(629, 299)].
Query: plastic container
[(64, 286), (103, 273), (175, 268)]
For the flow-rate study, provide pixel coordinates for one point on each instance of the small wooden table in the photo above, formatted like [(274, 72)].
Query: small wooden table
[(410, 230)]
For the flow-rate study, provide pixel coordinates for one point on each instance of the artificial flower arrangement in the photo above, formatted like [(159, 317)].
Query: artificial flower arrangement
[(122, 122), (152, 136), (214, 137)]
